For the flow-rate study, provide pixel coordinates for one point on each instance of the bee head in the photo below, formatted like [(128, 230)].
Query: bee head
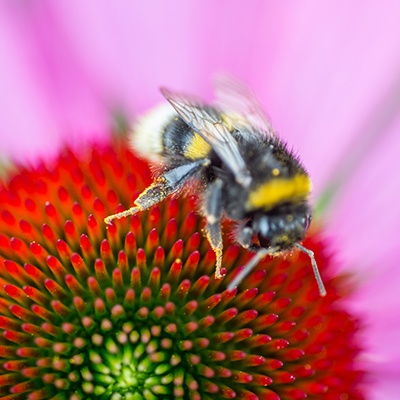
[(282, 227)]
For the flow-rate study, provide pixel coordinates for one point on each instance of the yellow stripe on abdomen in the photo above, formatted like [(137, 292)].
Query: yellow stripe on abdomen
[(197, 148), (279, 190)]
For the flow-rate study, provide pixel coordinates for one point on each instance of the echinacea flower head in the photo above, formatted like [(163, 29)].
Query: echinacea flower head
[(133, 311)]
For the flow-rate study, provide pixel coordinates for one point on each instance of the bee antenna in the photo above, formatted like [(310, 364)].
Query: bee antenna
[(321, 287)]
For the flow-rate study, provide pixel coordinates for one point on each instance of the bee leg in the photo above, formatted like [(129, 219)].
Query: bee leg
[(155, 193), (168, 183), (260, 254), (213, 214)]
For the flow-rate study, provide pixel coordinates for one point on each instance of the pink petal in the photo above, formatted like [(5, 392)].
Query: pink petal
[(90, 59)]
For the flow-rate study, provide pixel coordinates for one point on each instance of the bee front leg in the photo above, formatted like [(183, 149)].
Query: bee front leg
[(170, 182), (245, 235), (261, 253), (213, 214)]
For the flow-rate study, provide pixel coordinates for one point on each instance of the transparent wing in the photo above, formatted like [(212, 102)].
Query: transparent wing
[(233, 95), (206, 121)]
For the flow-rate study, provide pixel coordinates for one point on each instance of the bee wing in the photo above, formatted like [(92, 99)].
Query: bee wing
[(235, 96), (207, 123)]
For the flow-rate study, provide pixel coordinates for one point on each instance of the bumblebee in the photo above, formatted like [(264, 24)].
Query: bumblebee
[(242, 171)]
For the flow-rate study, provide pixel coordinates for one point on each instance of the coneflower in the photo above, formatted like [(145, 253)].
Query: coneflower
[(133, 311)]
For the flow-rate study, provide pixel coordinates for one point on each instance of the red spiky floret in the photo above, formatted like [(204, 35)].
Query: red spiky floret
[(133, 309)]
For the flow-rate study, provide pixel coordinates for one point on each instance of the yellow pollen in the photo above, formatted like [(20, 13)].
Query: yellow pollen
[(198, 148), (275, 172)]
